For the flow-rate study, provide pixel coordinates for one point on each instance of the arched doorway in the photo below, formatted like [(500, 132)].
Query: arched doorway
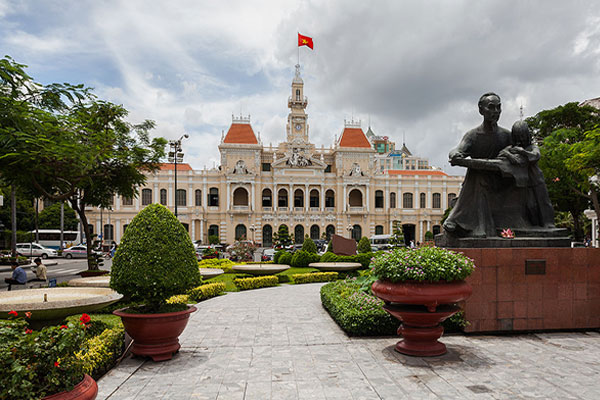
[(240, 197), (355, 198), (299, 234), (356, 232), (330, 230), (267, 236), (314, 232), (240, 232), (409, 233)]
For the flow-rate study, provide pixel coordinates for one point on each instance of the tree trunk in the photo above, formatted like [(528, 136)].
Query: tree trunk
[(596, 204), (13, 220), (577, 228), (80, 209)]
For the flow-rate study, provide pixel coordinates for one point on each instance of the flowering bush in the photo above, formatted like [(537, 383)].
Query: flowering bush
[(430, 264), (35, 364), (242, 251), (507, 233)]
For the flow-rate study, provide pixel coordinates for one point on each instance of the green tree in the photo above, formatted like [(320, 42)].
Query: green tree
[(282, 238), (309, 246), (49, 218), (65, 144), (213, 239), (565, 135), (397, 239), (364, 245)]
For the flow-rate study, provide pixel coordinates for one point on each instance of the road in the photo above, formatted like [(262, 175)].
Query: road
[(64, 270)]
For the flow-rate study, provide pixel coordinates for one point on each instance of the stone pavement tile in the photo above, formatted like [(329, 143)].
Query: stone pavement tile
[(284, 390), (258, 391), (310, 389), (232, 391)]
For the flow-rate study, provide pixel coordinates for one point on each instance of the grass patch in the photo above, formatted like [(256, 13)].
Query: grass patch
[(286, 276), (227, 279)]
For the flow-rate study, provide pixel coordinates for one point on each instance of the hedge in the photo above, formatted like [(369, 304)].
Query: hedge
[(364, 258), (206, 291), (222, 263), (101, 352), (315, 277), (255, 283), (285, 258), (302, 258), (179, 299), (356, 312)]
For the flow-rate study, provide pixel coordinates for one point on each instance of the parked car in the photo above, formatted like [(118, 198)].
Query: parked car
[(321, 244), (79, 251), (35, 250), (268, 255)]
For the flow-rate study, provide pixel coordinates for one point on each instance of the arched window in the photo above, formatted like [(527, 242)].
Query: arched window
[(299, 234), (379, 199), (213, 230), (437, 200), (198, 196), (109, 232), (379, 229), (407, 200), (297, 94), (356, 232), (146, 197), (355, 198), (393, 200), (163, 197), (282, 198), (314, 198), (267, 198), (240, 232), (451, 196), (181, 197), (127, 201), (422, 200), (298, 198), (213, 197), (330, 198), (240, 197), (267, 236), (330, 230), (314, 232)]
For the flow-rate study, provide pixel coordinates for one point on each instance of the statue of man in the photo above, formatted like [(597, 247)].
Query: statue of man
[(481, 195)]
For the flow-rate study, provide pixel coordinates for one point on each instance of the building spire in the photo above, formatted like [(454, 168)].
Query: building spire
[(521, 111)]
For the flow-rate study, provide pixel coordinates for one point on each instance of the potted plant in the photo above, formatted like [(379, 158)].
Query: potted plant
[(155, 260), (42, 363), (421, 287)]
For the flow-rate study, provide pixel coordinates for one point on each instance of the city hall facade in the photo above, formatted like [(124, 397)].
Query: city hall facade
[(350, 189)]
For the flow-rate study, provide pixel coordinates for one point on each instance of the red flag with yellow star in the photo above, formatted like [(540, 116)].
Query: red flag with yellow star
[(305, 41)]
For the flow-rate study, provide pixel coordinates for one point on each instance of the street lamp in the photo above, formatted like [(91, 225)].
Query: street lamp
[(252, 229), (175, 155), (349, 228)]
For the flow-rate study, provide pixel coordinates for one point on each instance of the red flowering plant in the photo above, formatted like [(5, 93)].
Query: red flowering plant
[(38, 363)]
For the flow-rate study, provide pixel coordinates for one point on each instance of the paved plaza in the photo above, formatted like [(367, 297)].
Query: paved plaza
[(279, 343)]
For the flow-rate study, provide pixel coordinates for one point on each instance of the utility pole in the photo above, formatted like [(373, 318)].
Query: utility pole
[(13, 220), (62, 224)]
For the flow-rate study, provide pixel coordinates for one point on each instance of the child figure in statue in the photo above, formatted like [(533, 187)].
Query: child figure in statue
[(525, 153)]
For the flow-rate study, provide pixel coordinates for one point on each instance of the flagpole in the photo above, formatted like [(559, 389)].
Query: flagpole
[(298, 51)]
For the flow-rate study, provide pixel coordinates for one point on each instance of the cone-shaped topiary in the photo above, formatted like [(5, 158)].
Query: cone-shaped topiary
[(364, 245), (309, 246), (155, 259)]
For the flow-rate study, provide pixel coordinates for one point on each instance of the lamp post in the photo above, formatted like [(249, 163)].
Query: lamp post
[(252, 229), (175, 156), (349, 228)]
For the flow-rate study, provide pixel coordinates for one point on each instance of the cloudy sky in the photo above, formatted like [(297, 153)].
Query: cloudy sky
[(413, 68)]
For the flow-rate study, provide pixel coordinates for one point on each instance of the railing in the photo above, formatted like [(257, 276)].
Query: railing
[(267, 208), (282, 209), (240, 208), (315, 209), (356, 209), (299, 209), (329, 209)]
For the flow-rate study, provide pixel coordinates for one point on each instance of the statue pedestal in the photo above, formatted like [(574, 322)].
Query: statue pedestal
[(555, 237), (523, 289)]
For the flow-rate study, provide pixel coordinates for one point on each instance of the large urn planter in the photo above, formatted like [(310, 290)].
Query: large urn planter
[(421, 307), (155, 335), (87, 389)]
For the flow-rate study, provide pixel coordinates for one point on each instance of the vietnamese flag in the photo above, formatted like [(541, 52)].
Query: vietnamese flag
[(305, 41)]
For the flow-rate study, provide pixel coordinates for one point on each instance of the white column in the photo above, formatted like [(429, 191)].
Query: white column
[(322, 204), (193, 230), (345, 200), (170, 196), (252, 201), (228, 194), (156, 193), (368, 197), (306, 198), (202, 230), (117, 230), (290, 197), (274, 197), (190, 196)]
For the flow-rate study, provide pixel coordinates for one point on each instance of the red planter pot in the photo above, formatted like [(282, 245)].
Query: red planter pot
[(155, 335), (421, 307), (87, 389)]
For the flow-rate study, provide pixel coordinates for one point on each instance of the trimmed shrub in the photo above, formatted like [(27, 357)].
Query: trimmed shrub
[(99, 354), (155, 260), (364, 245), (223, 264), (309, 246), (428, 235), (328, 257), (356, 312), (285, 258), (329, 247), (179, 299), (277, 256), (206, 291), (302, 258), (255, 283), (315, 277)]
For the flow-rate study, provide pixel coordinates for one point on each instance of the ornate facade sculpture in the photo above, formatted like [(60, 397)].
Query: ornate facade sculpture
[(240, 168), (355, 170)]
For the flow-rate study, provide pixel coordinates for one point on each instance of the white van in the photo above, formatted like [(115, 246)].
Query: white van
[(35, 250), (381, 242)]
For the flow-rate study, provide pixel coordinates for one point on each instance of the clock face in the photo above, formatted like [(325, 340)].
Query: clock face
[(298, 127)]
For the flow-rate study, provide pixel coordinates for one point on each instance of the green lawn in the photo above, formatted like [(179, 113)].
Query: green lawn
[(228, 278)]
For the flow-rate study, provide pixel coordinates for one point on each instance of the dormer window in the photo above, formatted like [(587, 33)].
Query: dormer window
[(297, 94)]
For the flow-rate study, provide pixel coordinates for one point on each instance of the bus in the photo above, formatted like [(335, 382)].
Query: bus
[(51, 238), (382, 242)]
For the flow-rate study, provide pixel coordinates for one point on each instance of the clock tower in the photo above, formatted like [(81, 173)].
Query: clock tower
[(297, 125)]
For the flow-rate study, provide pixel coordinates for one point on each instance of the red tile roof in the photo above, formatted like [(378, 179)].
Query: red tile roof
[(240, 133), (415, 172), (354, 137), (171, 167)]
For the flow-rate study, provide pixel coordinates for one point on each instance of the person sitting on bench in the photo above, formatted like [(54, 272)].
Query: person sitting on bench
[(19, 276), (40, 272)]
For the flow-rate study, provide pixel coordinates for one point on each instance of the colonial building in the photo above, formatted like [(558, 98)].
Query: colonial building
[(313, 191)]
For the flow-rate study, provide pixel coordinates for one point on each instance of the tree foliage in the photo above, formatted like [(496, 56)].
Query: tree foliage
[(64, 144), (49, 218), (397, 239), (282, 238), (309, 246), (364, 245)]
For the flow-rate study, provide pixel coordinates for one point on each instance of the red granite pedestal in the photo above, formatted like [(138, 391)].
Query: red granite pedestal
[(519, 289)]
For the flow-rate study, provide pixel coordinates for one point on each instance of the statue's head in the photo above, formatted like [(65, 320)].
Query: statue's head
[(520, 134), (490, 107)]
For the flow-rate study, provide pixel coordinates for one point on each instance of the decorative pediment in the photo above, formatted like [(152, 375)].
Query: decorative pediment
[(355, 170)]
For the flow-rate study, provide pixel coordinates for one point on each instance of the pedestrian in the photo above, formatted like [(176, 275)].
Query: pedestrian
[(19, 276), (40, 271), (113, 249), (412, 244)]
